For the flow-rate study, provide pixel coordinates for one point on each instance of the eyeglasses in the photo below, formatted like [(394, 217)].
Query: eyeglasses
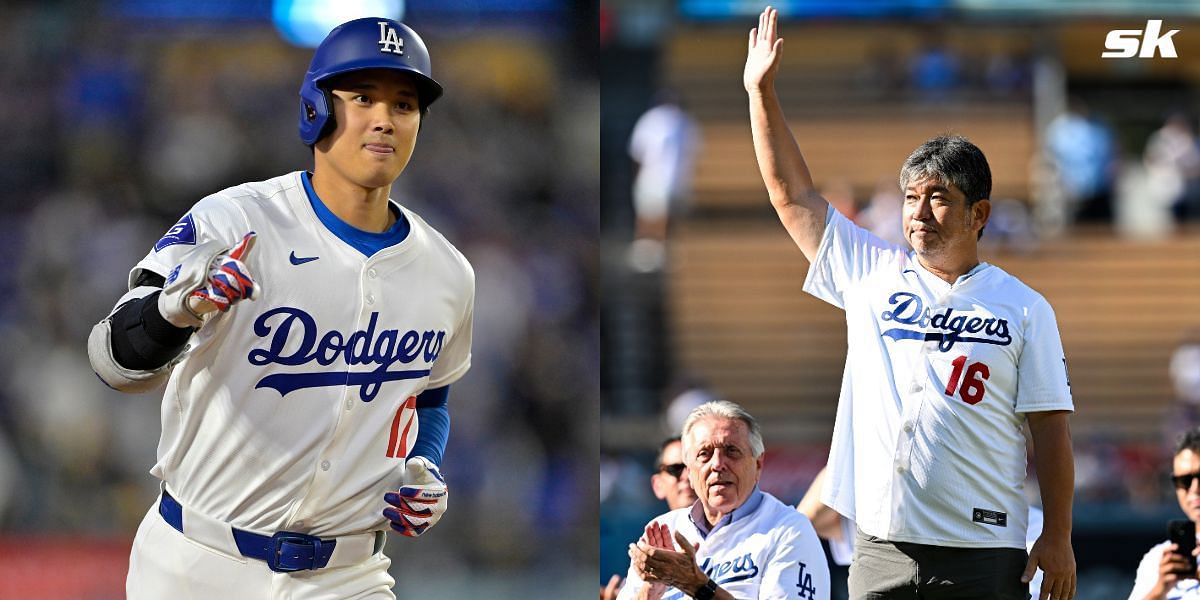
[(674, 470), (1184, 482)]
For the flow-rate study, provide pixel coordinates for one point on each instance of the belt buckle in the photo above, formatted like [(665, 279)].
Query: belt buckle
[(304, 549)]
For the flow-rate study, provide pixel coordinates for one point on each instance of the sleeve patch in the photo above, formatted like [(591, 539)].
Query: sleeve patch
[(183, 232)]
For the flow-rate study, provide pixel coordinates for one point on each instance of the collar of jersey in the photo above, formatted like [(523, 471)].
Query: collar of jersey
[(920, 270), (747, 508), (366, 242)]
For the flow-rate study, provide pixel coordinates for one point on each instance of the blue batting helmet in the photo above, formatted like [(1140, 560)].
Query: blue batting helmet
[(371, 43)]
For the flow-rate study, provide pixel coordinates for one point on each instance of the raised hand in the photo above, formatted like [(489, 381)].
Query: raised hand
[(764, 52), (228, 281), (208, 279)]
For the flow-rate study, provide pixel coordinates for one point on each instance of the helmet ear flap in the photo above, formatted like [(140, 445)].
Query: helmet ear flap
[(316, 114), (330, 122)]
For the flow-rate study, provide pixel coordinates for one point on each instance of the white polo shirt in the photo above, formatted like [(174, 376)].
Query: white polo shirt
[(763, 549), (928, 444)]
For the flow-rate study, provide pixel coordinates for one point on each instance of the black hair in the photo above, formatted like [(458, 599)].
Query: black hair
[(952, 160), (1190, 440)]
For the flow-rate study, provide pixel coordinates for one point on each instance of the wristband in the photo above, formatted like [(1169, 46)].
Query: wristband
[(706, 591)]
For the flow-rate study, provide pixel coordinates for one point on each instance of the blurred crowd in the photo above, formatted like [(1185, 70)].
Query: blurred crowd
[(1090, 168), (937, 71), (113, 130)]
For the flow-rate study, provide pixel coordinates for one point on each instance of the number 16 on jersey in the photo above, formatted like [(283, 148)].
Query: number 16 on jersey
[(972, 389)]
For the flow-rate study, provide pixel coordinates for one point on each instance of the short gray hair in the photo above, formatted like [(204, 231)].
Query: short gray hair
[(724, 409), (953, 160)]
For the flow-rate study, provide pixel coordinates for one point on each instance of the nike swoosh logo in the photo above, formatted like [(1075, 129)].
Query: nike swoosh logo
[(299, 261)]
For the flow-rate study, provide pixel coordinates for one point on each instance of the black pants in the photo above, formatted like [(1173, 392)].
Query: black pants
[(883, 570)]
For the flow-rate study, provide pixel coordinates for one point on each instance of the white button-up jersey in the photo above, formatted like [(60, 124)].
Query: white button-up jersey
[(928, 444), (296, 411), (764, 549)]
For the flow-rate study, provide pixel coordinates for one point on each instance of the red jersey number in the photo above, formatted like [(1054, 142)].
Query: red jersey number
[(972, 389)]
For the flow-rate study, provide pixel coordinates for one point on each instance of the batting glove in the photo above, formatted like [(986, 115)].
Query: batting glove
[(209, 279), (421, 501)]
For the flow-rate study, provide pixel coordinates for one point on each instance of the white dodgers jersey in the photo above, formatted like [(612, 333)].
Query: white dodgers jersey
[(296, 411), (928, 445), (764, 549)]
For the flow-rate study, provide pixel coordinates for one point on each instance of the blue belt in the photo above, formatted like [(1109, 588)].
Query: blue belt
[(283, 552)]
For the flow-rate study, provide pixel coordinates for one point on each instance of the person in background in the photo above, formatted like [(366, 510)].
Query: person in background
[(1081, 149), (670, 484), (1172, 160), (663, 146), (1164, 572), (736, 541)]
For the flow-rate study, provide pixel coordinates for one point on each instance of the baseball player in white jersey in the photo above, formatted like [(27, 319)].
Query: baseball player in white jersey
[(951, 358), (297, 427), (1165, 573), (736, 541), (840, 532)]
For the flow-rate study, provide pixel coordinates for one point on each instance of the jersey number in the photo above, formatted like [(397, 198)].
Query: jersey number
[(406, 413), (972, 388)]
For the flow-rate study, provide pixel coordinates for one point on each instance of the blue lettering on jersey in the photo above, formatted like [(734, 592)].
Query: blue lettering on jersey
[(384, 349), (909, 310), (737, 569), (183, 232)]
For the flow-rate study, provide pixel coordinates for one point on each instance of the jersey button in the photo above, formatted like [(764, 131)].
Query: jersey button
[(371, 273), (915, 387), (908, 428), (349, 403), (370, 299), (324, 465), (299, 524), (900, 469)]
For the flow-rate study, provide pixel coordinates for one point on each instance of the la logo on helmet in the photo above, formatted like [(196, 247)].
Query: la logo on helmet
[(389, 41)]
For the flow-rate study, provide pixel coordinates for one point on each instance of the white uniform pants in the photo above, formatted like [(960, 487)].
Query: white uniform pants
[(165, 565)]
